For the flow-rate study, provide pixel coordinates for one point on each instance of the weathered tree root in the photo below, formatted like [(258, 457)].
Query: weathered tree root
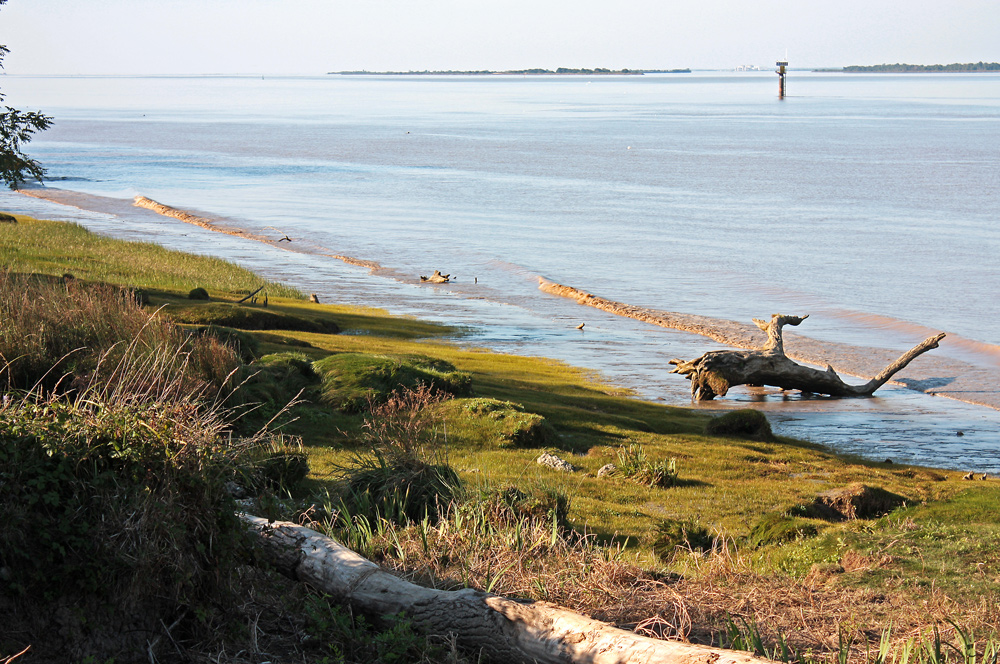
[(503, 630), (713, 373)]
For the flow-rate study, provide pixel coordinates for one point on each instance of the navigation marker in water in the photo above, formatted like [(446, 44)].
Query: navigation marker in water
[(781, 77)]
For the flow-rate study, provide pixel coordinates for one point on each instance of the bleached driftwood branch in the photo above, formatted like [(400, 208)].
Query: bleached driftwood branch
[(713, 373), (503, 630)]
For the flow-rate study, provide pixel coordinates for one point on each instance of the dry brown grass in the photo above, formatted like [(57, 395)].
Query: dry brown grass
[(486, 547)]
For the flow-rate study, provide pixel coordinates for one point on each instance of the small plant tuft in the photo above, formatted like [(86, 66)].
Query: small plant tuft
[(673, 536), (634, 465)]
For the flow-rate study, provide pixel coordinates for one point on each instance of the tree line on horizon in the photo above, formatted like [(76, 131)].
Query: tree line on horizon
[(901, 67)]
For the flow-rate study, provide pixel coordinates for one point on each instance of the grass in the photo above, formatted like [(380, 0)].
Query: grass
[(56, 248), (701, 529)]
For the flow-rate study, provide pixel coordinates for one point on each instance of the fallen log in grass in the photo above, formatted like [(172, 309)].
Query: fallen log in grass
[(502, 629)]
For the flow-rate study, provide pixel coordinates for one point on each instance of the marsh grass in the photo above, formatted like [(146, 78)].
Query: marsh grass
[(634, 465), (55, 248), (402, 474), (589, 542), (63, 336), (354, 382)]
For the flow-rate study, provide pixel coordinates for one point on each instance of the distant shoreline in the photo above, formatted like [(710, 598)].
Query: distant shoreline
[(902, 68), (561, 71)]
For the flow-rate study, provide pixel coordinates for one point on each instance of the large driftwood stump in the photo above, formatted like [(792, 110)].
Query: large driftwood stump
[(502, 629), (713, 373)]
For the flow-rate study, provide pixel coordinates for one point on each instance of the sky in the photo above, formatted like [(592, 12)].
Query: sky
[(318, 36)]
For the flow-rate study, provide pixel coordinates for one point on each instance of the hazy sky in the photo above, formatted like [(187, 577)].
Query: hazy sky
[(316, 36)]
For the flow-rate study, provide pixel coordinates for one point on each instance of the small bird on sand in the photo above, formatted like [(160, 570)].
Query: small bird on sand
[(580, 326)]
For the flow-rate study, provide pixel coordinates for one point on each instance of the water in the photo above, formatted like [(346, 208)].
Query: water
[(869, 202)]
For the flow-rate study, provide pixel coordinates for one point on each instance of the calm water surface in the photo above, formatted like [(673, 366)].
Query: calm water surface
[(870, 202)]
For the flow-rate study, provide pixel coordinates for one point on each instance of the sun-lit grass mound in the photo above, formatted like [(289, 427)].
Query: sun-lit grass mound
[(494, 423), (353, 381)]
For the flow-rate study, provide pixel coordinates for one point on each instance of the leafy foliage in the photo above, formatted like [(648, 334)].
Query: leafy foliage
[(16, 129), (345, 638), (99, 494)]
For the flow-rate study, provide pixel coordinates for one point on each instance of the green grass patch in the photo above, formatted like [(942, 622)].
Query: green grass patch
[(248, 318), (55, 248), (481, 422), (354, 381)]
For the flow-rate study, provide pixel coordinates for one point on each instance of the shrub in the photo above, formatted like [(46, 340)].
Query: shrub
[(744, 423), (398, 488), (117, 498), (115, 503), (198, 294), (355, 381), (403, 477)]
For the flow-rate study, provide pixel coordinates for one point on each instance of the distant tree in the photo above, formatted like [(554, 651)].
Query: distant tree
[(16, 128)]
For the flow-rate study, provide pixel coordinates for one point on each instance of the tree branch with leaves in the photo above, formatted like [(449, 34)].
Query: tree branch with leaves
[(16, 129)]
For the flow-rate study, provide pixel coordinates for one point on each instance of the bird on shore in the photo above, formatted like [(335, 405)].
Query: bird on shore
[(970, 475)]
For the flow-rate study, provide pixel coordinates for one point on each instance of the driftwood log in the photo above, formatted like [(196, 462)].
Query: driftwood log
[(501, 629), (713, 373), (437, 278)]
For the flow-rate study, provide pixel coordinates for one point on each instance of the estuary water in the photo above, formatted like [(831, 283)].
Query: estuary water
[(870, 202)]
